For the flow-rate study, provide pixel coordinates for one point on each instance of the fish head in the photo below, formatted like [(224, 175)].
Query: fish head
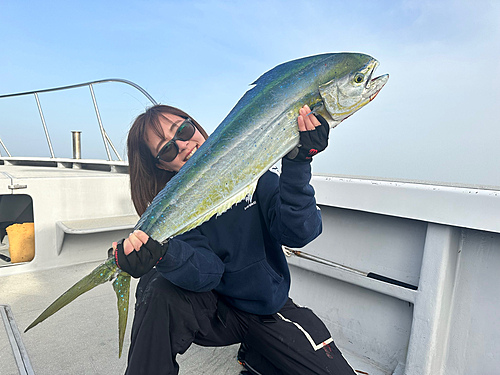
[(351, 87)]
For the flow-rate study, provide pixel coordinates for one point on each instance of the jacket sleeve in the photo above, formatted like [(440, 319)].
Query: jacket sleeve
[(289, 206), (190, 263)]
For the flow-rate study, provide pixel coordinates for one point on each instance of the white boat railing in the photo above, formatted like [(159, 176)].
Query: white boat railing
[(106, 139)]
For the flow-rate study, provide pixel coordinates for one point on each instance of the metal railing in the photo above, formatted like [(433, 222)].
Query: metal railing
[(107, 141)]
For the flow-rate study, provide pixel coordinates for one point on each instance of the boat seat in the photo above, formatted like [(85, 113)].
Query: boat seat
[(94, 225)]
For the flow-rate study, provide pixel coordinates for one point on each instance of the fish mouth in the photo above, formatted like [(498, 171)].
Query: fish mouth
[(373, 86)]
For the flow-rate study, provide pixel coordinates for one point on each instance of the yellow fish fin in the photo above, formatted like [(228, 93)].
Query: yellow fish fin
[(223, 207)]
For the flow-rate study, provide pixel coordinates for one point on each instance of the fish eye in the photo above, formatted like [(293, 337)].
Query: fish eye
[(359, 77)]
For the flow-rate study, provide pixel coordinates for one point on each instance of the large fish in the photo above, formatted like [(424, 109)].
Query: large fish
[(259, 131)]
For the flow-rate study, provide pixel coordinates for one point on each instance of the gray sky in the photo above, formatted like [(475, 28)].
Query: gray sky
[(436, 119)]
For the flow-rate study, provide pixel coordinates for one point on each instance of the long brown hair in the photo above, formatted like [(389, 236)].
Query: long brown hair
[(146, 179)]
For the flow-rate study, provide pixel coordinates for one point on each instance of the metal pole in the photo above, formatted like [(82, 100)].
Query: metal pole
[(5, 148), (103, 133), (77, 144), (137, 87), (113, 146), (44, 126), (106, 138)]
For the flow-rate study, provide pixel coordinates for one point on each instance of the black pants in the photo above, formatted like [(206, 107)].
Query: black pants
[(169, 319)]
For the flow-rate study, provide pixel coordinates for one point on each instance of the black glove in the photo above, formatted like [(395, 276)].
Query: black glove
[(311, 142), (140, 262)]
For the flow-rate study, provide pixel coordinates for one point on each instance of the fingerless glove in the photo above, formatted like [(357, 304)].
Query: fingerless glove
[(140, 262), (311, 142)]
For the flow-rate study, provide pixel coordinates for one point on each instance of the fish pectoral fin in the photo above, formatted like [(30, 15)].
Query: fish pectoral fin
[(220, 209), (102, 273), (319, 105), (238, 197), (122, 289)]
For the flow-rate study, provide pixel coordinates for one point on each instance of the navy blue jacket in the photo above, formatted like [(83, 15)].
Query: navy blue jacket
[(238, 254)]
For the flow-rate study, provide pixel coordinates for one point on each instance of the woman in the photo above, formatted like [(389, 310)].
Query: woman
[(226, 281)]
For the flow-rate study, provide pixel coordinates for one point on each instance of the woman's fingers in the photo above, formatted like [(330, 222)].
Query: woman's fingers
[(143, 237), (128, 247), (133, 242), (306, 119), (301, 123)]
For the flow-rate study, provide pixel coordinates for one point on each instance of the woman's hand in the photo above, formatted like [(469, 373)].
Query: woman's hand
[(307, 120), (134, 242), (138, 253), (313, 132)]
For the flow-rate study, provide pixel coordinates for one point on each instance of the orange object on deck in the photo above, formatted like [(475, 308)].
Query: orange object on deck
[(21, 242)]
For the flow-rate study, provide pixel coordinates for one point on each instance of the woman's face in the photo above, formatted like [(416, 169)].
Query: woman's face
[(169, 124)]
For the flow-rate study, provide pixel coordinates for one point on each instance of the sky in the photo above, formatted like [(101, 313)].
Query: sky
[(437, 118)]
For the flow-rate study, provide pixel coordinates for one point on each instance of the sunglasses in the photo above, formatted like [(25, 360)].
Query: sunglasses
[(170, 150)]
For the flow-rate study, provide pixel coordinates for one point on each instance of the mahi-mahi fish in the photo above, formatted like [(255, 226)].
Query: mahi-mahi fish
[(259, 131)]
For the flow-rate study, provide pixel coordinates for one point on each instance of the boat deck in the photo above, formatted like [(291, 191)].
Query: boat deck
[(74, 341), (82, 338)]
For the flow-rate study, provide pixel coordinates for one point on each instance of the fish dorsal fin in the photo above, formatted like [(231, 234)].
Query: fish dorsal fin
[(287, 68), (270, 78)]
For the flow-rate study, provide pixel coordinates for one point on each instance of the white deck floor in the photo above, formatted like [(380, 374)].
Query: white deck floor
[(82, 337)]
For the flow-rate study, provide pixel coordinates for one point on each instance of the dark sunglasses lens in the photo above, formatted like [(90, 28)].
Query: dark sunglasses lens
[(186, 131), (168, 153)]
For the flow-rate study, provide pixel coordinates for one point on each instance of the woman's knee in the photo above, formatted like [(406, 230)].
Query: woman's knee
[(153, 286)]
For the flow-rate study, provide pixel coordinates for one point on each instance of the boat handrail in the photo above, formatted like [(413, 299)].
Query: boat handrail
[(104, 135)]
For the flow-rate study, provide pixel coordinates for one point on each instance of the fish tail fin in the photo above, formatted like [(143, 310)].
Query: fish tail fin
[(102, 273), (122, 289)]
